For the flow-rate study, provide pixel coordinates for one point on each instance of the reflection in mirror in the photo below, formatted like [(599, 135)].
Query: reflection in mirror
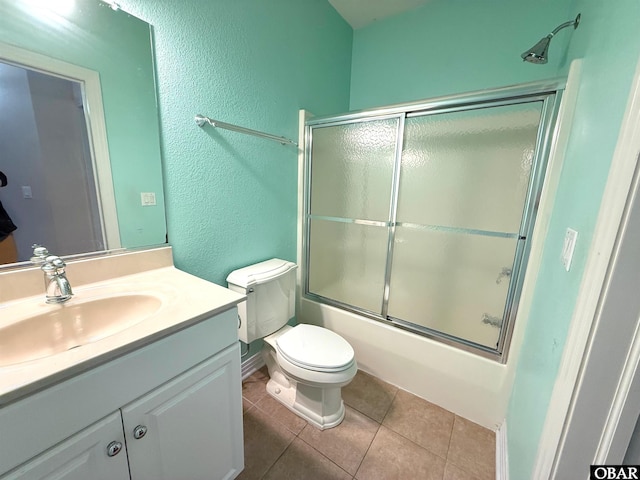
[(50, 193), (123, 129)]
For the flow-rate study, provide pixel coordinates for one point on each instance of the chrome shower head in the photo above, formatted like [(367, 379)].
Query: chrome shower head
[(539, 53)]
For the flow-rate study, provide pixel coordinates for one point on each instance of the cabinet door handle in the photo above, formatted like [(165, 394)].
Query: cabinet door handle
[(114, 448), (139, 432)]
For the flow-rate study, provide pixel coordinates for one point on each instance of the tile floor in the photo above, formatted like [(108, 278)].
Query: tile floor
[(387, 434)]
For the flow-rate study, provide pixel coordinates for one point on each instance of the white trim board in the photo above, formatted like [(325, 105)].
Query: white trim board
[(502, 454), (252, 364), (576, 347), (622, 414)]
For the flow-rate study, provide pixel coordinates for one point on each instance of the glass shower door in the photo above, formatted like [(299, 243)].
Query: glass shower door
[(463, 188), (420, 215), (351, 178)]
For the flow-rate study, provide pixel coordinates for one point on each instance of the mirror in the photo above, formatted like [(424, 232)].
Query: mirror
[(102, 58), (55, 176)]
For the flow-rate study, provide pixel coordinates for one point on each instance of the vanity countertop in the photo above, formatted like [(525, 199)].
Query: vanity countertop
[(184, 301)]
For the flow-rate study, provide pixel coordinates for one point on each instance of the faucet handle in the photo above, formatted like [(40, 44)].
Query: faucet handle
[(52, 264), (56, 261), (40, 254), (59, 264)]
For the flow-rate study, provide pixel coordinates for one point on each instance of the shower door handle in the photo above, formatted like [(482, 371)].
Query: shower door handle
[(506, 272)]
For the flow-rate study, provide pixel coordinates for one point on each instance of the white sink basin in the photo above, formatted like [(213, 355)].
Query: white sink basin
[(58, 328)]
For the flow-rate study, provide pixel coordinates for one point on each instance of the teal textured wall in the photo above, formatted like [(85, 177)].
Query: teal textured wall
[(231, 198), (452, 46), (608, 40)]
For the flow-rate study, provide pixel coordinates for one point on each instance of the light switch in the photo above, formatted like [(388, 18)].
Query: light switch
[(26, 191), (148, 199), (567, 249)]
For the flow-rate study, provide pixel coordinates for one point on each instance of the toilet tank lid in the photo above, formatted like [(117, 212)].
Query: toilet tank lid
[(260, 272)]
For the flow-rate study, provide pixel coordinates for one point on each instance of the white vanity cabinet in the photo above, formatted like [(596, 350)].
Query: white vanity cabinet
[(173, 407), (82, 456), (185, 429)]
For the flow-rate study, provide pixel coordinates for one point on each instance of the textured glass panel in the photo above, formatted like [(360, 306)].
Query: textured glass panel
[(347, 263), (451, 282), (468, 169), (352, 169)]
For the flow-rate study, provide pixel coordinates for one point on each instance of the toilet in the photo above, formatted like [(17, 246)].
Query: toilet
[(308, 365)]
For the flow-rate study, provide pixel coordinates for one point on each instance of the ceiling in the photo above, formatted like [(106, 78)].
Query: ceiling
[(363, 12)]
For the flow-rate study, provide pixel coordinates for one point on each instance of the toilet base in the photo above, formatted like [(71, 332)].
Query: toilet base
[(298, 402), (321, 406)]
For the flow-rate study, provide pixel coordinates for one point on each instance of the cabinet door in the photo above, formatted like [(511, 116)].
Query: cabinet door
[(192, 425), (81, 457)]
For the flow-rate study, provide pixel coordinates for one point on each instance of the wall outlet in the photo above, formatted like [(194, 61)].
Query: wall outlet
[(567, 249), (148, 199), (26, 191)]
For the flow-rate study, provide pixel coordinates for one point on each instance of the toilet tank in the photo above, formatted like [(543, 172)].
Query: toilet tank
[(270, 288)]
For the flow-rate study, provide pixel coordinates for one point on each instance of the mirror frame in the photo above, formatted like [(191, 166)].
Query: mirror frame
[(95, 122)]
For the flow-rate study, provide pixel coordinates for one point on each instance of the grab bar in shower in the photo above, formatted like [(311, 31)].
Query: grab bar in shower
[(201, 120)]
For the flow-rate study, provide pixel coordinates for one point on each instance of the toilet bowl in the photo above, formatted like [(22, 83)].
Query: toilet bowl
[(308, 365)]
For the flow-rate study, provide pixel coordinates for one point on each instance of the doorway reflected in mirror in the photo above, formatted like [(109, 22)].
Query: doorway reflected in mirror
[(46, 152)]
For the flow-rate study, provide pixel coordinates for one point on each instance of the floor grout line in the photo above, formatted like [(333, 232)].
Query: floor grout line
[(453, 425), (315, 449), (369, 416), (390, 405), (368, 448), (276, 461), (377, 430)]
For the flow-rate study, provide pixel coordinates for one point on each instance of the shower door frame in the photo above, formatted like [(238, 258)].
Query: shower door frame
[(549, 93)]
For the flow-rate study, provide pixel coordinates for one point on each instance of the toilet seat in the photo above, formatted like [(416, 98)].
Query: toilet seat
[(315, 348)]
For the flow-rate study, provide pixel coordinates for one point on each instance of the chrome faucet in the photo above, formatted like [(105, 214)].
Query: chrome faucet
[(57, 287)]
